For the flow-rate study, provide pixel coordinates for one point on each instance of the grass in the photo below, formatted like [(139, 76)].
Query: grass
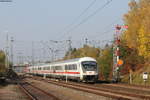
[(137, 77)]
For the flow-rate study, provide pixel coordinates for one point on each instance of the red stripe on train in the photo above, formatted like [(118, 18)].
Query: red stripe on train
[(57, 72)]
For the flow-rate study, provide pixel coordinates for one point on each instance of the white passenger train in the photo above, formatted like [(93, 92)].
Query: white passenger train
[(80, 69)]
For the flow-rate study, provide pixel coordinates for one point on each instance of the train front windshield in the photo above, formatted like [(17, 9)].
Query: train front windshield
[(89, 65)]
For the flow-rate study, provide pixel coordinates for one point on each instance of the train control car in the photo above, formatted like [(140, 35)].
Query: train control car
[(81, 69)]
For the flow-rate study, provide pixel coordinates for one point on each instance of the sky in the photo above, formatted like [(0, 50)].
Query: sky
[(44, 20)]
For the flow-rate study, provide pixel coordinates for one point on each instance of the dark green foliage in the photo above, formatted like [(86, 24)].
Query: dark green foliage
[(105, 61), (2, 61)]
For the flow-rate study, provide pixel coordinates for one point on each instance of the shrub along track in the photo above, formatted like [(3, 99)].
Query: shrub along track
[(120, 93), (35, 93)]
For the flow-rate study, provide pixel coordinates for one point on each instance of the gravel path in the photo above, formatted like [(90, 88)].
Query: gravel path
[(11, 92)]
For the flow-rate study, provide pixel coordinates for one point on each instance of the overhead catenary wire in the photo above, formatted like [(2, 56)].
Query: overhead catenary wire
[(88, 17), (80, 15), (106, 28)]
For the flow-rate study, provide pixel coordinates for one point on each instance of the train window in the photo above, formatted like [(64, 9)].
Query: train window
[(53, 68), (89, 65), (58, 67), (66, 67), (71, 67), (39, 68), (48, 67), (44, 68), (75, 67)]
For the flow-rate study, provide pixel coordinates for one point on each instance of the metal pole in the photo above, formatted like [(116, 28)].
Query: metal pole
[(7, 53), (86, 41), (70, 47), (32, 53), (12, 40)]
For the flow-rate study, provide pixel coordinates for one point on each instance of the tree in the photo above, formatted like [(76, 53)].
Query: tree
[(105, 62), (2, 61), (83, 52), (137, 35)]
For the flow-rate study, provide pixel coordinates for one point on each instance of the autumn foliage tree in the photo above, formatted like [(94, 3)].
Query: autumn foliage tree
[(138, 33), (82, 52)]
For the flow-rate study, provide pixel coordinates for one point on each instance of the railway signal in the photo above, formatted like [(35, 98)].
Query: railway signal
[(120, 62), (116, 60), (116, 55)]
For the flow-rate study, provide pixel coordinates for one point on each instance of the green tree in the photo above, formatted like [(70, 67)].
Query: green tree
[(2, 61), (105, 62)]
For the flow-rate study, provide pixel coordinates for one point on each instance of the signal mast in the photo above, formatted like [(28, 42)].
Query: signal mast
[(116, 54)]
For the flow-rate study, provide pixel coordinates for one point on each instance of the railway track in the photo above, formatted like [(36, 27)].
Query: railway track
[(132, 88), (35, 93), (107, 91)]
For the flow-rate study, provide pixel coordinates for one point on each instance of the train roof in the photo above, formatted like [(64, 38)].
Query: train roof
[(69, 61), (76, 60)]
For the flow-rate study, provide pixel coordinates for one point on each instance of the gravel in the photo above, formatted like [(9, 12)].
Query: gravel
[(66, 93), (11, 92)]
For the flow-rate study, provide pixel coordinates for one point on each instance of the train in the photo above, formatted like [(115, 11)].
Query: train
[(83, 69)]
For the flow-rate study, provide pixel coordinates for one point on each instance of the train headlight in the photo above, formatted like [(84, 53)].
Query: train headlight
[(90, 72)]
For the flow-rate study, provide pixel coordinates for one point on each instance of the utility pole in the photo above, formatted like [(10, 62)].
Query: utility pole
[(33, 53), (51, 50), (86, 41), (20, 58), (44, 57), (70, 47), (12, 40), (7, 52)]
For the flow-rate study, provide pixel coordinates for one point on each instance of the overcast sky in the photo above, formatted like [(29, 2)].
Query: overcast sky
[(43, 20)]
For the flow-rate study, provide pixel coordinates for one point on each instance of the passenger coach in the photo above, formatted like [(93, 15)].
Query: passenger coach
[(81, 69)]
